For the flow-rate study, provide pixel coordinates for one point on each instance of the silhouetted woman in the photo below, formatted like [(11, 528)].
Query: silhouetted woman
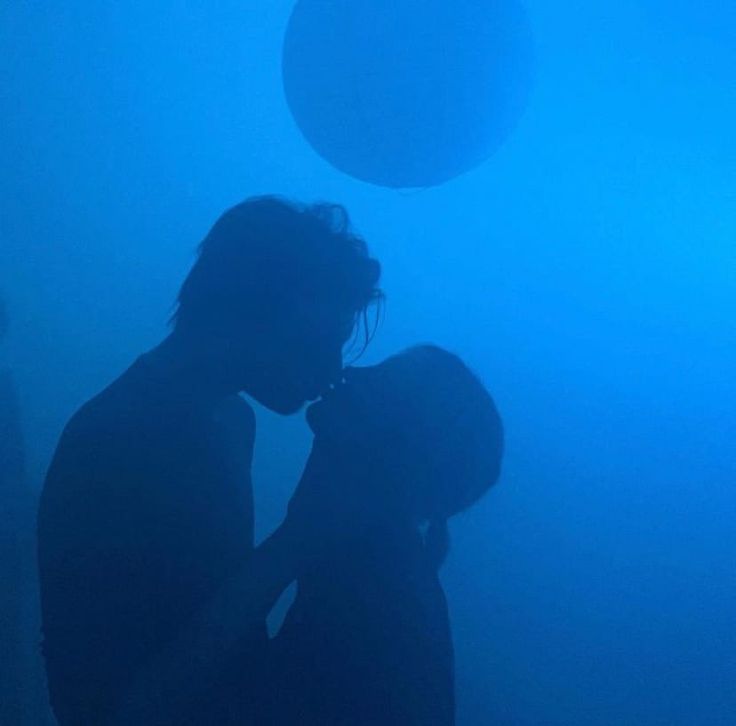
[(405, 445)]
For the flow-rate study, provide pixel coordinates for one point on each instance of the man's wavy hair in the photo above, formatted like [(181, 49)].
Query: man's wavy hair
[(268, 252)]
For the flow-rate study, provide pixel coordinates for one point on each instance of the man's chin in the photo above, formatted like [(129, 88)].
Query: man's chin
[(282, 405), (286, 407)]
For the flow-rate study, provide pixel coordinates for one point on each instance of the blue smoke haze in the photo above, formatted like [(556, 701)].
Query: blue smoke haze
[(587, 271)]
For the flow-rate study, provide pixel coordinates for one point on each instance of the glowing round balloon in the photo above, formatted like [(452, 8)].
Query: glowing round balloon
[(407, 93)]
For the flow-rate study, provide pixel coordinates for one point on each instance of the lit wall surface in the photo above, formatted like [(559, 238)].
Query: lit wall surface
[(587, 271)]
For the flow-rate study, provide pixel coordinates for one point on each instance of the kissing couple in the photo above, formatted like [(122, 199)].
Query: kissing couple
[(154, 597)]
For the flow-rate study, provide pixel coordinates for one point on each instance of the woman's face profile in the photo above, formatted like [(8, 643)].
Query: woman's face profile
[(370, 407), (348, 410), (362, 423)]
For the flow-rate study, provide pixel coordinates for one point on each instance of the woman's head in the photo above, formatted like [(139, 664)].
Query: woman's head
[(428, 424)]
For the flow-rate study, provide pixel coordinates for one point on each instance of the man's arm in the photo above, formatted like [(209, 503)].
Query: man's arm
[(319, 519), (189, 667)]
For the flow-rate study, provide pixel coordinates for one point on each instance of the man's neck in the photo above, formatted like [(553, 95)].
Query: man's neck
[(196, 369)]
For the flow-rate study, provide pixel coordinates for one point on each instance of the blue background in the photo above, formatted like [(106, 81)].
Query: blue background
[(587, 272)]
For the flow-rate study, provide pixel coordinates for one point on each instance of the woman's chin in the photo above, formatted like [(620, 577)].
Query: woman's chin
[(315, 415), (326, 418)]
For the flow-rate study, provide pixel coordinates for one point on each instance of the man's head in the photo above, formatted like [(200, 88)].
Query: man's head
[(277, 291)]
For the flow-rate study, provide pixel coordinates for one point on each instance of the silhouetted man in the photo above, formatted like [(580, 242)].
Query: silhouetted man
[(146, 520)]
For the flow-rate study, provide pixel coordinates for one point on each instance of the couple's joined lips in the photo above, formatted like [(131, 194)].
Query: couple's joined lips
[(328, 390), (330, 386), (316, 392)]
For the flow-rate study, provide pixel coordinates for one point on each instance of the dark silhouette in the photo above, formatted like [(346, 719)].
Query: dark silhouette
[(402, 446), (153, 596), (16, 555)]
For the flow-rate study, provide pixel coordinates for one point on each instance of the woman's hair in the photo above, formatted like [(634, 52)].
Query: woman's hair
[(267, 251), (453, 434)]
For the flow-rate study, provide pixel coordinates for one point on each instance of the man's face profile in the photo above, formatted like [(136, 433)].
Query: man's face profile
[(298, 356)]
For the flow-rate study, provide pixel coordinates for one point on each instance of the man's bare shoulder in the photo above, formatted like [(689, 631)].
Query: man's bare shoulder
[(237, 413)]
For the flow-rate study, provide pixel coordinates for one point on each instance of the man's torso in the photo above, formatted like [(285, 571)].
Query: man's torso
[(146, 511)]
